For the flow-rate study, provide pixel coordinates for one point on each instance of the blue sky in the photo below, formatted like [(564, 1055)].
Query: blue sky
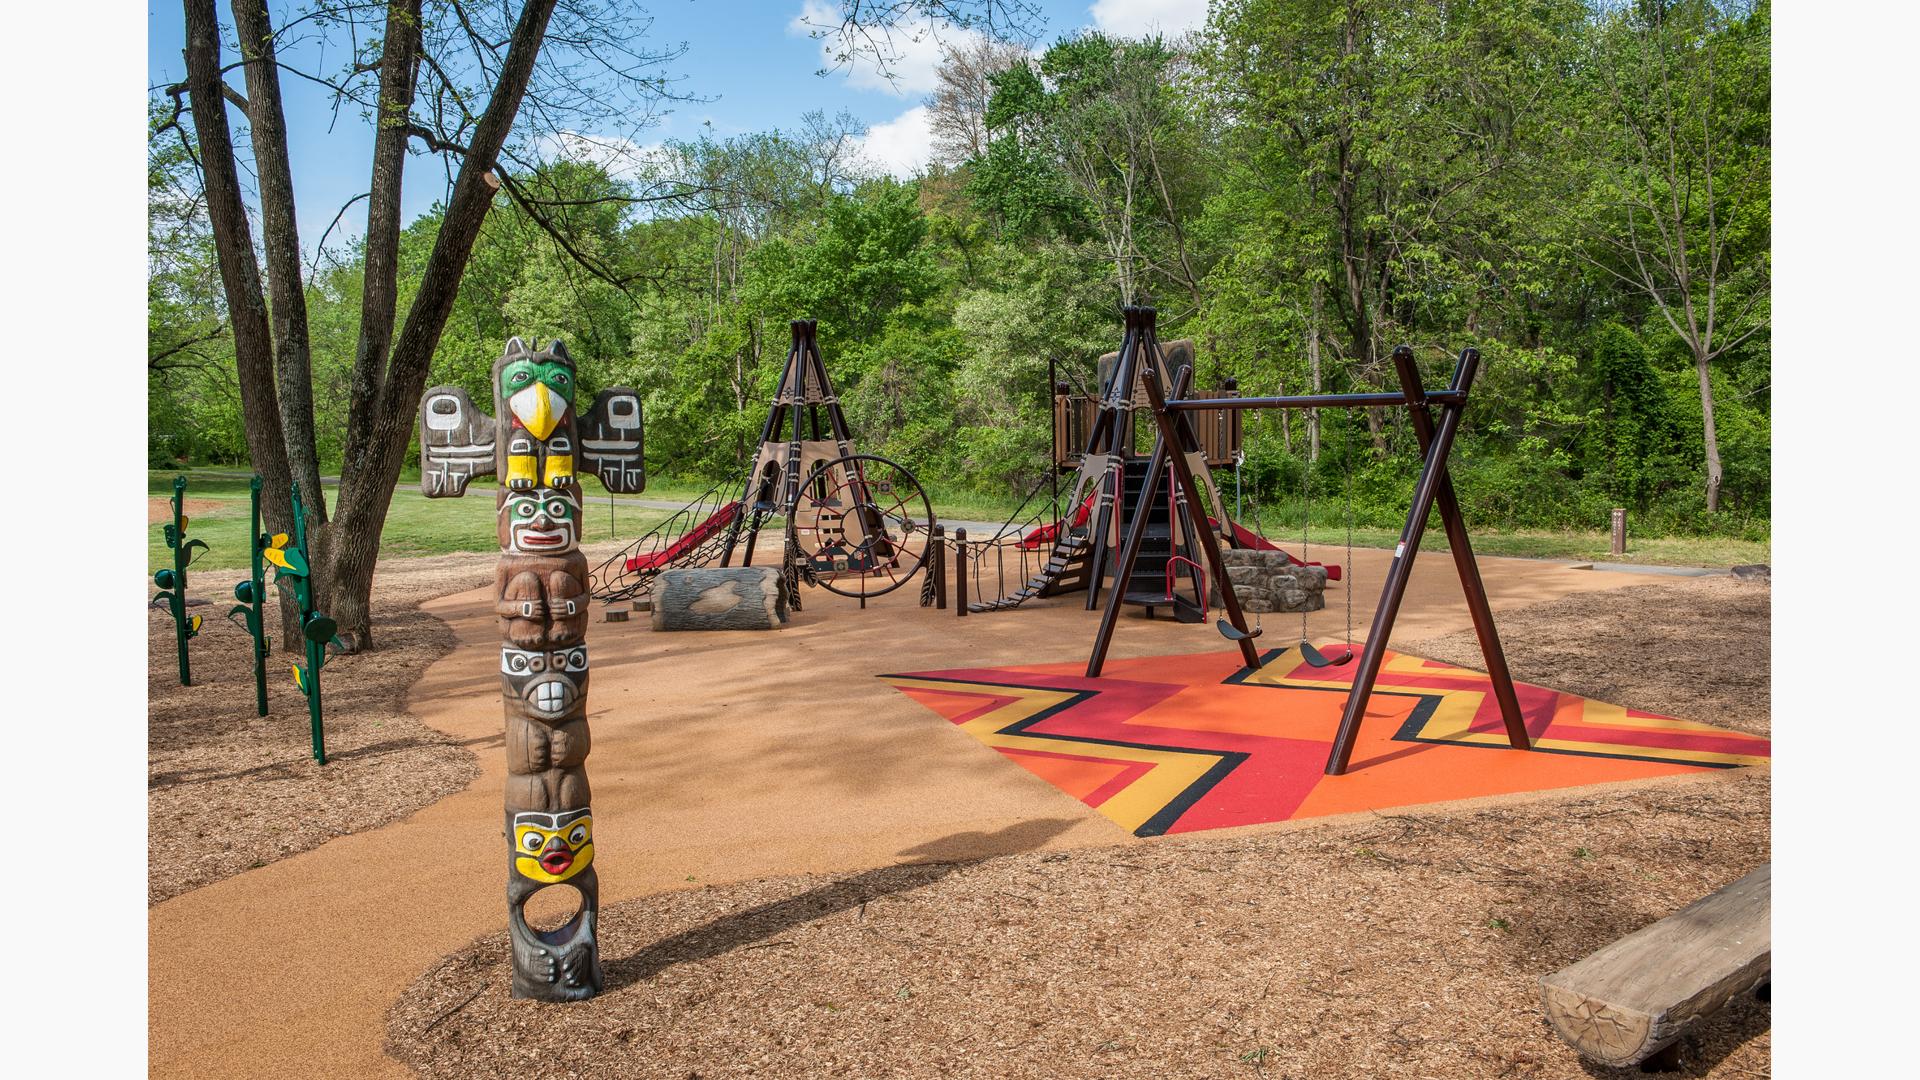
[(753, 60)]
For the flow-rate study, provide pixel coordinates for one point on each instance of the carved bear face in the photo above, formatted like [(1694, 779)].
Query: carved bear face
[(549, 683), (540, 521)]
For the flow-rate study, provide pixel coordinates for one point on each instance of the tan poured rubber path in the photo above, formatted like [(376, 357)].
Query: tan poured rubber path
[(717, 757)]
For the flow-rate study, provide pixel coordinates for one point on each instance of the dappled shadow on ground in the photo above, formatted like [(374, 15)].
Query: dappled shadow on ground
[(759, 926)]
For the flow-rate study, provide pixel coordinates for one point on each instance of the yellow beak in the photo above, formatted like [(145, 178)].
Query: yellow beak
[(538, 409)]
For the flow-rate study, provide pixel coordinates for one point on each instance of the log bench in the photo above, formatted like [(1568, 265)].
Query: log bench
[(719, 598), (1629, 1003)]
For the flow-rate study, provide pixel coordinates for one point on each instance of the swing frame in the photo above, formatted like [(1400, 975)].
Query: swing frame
[(1433, 489)]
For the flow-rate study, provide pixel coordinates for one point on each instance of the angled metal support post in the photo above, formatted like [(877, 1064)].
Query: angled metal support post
[(1463, 560), (1166, 450)]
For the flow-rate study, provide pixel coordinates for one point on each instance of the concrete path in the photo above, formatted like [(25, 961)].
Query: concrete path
[(717, 758)]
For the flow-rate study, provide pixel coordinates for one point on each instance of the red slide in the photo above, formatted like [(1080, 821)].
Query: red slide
[(1041, 536), (693, 538)]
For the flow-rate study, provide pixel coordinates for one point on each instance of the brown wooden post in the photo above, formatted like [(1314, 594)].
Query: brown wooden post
[(937, 566), (1400, 569), (1619, 531), (960, 572)]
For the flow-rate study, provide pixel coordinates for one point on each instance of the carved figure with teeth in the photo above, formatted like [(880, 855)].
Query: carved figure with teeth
[(541, 600), (547, 738)]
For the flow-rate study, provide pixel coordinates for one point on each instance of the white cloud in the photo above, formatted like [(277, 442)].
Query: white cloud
[(901, 146), (1135, 18), (910, 50)]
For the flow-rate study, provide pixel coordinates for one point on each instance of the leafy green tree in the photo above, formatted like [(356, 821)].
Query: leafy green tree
[(1677, 158), (1632, 436)]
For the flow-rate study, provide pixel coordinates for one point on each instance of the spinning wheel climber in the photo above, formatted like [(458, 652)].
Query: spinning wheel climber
[(856, 524)]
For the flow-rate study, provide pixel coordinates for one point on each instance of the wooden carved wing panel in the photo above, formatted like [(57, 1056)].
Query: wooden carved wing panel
[(456, 442), (610, 441)]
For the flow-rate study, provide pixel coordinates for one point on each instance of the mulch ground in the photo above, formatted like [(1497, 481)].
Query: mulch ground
[(1696, 648), (229, 790), (1405, 944)]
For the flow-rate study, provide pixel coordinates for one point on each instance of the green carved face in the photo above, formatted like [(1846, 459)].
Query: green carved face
[(522, 374)]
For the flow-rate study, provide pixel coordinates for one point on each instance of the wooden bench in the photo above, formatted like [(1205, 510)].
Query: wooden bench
[(1628, 1003)]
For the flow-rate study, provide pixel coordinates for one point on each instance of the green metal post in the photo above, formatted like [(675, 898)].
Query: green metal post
[(315, 628), (319, 731), (252, 595), (311, 623), (173, 583), (178, 602)]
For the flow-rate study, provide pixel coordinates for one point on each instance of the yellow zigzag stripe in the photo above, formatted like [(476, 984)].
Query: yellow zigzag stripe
[(1130, 808)]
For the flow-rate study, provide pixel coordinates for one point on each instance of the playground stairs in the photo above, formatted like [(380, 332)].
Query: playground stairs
[(1147, 585)]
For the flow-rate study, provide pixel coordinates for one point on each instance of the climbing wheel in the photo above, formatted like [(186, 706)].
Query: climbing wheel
[(860, 526)]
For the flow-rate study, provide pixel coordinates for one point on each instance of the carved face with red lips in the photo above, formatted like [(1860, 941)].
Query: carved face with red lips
[(543, 521), (552, 847)]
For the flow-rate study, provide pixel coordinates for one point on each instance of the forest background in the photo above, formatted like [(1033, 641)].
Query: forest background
[(1581, 190)]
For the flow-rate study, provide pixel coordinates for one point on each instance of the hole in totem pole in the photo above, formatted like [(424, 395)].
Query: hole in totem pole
[(553, 907)]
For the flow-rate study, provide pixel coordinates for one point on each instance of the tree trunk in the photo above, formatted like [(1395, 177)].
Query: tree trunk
[(1700, 366), (379, 296), (1313, 373), (280, 237), (240, 280), (372, 466)]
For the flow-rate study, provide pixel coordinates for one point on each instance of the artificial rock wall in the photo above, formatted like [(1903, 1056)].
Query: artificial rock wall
[(1266, 582)]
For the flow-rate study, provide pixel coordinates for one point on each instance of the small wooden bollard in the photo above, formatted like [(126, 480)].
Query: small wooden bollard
[(616, 614), (960, 572), (1619, 531), (937, 566)]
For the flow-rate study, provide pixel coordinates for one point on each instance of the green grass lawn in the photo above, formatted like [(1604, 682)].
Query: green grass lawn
[(1714, 551), (417, 525)]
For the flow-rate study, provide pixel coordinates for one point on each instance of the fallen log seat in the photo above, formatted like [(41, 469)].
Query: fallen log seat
[(1632, 1000), (719, 598)]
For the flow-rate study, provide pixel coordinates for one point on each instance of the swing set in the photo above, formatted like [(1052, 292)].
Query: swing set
[(1433, 489)]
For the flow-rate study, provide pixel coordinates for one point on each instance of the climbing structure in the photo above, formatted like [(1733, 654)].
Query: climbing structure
[(855, 524), (1095, 436)]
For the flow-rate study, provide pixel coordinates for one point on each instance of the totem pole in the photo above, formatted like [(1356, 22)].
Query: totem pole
[(252, 594), (316, 630), (173, 583), (538, 443)]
